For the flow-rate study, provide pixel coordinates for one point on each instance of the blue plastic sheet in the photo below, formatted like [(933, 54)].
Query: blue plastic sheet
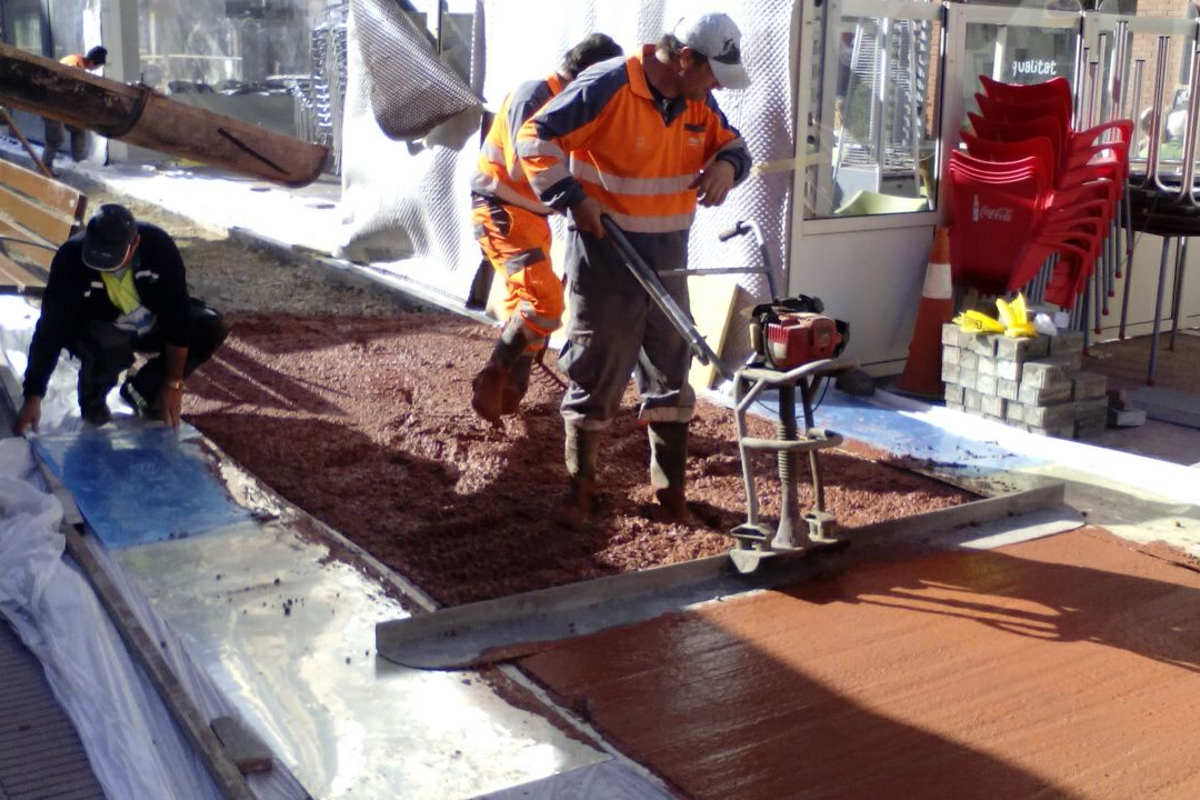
[(136, 484)]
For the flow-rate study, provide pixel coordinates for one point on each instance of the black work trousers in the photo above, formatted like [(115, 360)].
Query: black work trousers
[(105, 351)]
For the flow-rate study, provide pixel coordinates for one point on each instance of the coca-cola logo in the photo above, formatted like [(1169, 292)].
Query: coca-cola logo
[(996, 214), (990, 213)]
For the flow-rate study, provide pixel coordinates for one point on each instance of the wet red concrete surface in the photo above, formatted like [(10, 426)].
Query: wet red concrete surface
[(1063, 667), (364, 422)]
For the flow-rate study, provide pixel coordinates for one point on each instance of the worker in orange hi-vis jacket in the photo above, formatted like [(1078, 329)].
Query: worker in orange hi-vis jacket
[(642, 141), (513, 231), (94, 59)]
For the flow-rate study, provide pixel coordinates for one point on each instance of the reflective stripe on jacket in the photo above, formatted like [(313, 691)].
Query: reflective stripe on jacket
[(634, 153), (498, 172)]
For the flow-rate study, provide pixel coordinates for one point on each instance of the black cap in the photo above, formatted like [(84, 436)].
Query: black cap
[(109, 233)]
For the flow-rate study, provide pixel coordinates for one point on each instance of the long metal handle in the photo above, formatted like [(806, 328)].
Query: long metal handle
[(1189, 135), (1118, 83), (1135, 112), (1160, 77), (662, 298)]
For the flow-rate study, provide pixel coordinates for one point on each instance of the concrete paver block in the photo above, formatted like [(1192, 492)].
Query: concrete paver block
[(1045, 373), (1089, 385), (1052, 417), (984, 344), (1066, 343), (993, 407)]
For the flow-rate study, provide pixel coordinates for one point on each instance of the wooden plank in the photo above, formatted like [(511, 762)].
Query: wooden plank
[(42, 256), (712, 305), (47, 224), (46, 191), (19, 276)]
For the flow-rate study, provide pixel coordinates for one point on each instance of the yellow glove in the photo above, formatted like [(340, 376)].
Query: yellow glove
[(1015, 318), (977, 322)]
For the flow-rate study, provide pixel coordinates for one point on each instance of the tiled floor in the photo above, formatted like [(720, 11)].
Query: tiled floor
[(1124, 364), (40, 753)]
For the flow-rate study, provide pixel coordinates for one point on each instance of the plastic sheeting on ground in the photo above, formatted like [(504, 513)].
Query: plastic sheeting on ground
[(132, 744)]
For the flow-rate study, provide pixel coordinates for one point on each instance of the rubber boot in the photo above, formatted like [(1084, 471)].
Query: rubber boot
[(582, 448), (517, 384), (668, 467), (487, 390)]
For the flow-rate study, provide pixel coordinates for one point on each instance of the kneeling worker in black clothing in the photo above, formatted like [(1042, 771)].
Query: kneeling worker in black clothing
[(117, 289)]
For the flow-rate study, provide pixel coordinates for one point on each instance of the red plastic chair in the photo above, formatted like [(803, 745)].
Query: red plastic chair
[(1005, 207), (1069, 186), (1078, 150), (1030, 187)]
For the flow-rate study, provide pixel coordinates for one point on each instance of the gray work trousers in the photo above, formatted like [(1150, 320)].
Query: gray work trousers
[(616, 329), (55, 135)]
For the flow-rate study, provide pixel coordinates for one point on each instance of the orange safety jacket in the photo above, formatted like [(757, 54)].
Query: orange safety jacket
[(498, 171), (635, 152)]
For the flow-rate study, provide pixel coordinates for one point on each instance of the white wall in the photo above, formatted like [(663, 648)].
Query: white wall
[(869, 278)]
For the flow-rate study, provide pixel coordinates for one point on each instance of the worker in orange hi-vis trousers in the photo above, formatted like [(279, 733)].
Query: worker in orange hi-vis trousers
[(513, 231), (642, 141)]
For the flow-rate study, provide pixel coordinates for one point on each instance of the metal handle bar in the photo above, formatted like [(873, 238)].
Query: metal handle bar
[(662, 298), (741, 228)]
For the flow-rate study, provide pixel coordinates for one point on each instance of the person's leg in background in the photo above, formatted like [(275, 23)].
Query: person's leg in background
[(79, 142), (517, 243), (54, 139)]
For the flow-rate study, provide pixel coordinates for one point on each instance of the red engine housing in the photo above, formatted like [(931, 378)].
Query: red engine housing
[(798, 337)]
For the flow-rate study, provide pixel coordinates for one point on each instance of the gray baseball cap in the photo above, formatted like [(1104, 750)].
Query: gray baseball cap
[(716, 37)]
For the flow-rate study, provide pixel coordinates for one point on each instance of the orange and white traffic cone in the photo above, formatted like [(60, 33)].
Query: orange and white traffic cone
[(923, 369)]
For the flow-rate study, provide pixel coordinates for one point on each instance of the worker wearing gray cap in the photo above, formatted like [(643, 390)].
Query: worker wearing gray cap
[(641, 141)]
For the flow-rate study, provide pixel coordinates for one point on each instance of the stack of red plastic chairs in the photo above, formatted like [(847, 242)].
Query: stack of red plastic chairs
[(1030, 186)]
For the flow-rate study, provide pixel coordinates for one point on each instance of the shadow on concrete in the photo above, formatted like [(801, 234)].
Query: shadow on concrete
[(969, 674)]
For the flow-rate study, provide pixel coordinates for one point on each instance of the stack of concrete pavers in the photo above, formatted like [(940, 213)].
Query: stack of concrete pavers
[(1035, 384)]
